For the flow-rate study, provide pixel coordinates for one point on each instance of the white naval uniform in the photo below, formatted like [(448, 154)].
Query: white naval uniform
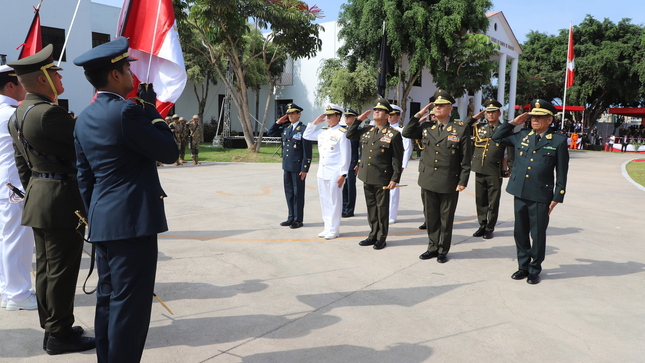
[(335, 154), (395, 193), (17, 245)]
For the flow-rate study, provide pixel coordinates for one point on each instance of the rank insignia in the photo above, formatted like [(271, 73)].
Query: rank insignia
[(549, 136), (433, 127)]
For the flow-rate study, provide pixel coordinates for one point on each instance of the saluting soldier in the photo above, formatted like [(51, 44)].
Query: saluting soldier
[(443, 171), (334, 152), (194, 138), (349, 189), (489, 165), (43, 140), (394, 119), (539, 151), (296, 160), (379, 168), (177, 131)]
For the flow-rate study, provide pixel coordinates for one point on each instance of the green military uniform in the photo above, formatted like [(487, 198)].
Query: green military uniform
[(532, 183), (444, 164), (487, 165), (380, 163), (194, 138), (46, 162)]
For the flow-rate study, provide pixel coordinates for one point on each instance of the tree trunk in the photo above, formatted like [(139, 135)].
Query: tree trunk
[(266, 114)]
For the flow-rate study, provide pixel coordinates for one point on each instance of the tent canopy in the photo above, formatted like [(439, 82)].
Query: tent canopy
[(628, 111)]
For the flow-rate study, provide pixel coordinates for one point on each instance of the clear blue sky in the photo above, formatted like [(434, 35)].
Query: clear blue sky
[(547, 16)]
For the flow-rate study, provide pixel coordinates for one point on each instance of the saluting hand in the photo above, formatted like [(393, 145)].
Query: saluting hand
[(479, 115), (519, 120), (319, 119), (364, 115), (283, 119)]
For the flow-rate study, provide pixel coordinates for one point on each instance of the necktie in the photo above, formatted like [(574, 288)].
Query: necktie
[(538, 137)]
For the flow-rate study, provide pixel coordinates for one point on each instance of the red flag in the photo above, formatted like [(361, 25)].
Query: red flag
[(34, 41), (151, 28), (570, 59)]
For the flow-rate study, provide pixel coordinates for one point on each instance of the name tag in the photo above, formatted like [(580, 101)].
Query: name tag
[(550, 148)]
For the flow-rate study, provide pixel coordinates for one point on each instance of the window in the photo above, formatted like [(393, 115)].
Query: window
[(99, 38), (56, 37), (286, 78)]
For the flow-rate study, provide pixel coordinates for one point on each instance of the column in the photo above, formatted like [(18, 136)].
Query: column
[(478, 100), (512, 89), (501, 79)]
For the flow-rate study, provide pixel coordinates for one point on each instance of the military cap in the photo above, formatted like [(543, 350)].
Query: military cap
[(396, 110), (7, 74), (292, 107), (196, 116), (540, 107), (42, 60), (105, 55), (175, 116), (492, 105), (182, 119), (350, 113), (333, 110), (382, 104), (442, 97)]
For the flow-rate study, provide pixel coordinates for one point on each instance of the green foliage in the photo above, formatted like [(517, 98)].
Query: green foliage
[(341, 86)]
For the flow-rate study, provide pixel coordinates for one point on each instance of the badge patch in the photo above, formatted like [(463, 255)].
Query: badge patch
[(297, 137), (453, 138)]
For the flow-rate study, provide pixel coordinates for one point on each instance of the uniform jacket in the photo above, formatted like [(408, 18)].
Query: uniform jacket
[(49, 129), (117, 147), (8, 170), (487, 154), (333, 149), (381, 153), (532, 174), (296, 149), (446, 156)]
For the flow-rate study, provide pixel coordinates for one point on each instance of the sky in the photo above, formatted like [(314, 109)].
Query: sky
[(546, 16)]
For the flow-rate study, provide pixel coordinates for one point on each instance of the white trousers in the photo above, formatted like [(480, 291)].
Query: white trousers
[(16, 253), (394, 203), (331, 204)]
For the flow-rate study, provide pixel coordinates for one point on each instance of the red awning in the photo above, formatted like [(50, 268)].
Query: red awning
[(527, 107), (628, 111)]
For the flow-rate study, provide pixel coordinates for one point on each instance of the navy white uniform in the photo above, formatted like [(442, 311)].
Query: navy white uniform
[(396, 192)]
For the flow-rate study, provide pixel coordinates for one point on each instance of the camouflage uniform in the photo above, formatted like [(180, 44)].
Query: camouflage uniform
[(194, 138), (177, 129)]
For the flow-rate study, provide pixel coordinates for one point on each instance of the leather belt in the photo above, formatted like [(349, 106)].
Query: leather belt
[(53, 176)]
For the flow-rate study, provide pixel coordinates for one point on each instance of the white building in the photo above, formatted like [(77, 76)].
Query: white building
[(96, 23)]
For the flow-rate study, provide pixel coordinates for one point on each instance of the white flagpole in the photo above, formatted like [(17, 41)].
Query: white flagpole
[(154, 38), (566, 79), (68, 33)]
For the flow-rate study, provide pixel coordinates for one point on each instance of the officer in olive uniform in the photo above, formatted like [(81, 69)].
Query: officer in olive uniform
[(43, 140), (349, 189), (489, 167), (538, 153), (379, 168), (444, 170), (295, 162)]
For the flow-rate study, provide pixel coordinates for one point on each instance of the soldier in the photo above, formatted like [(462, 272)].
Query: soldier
[(334, 151), (430, 116), (43, 140), (177, 129), (394, 120), (183, 140), (349, 189), (444, 170), (538, 153), (16, 241), (489, 165), (379, 168), (194, 138), (295, 162), (117, 143)]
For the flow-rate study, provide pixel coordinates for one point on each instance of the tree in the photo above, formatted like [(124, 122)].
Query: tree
[(348, 88), (226, 38), (606, 58), (439, 35)]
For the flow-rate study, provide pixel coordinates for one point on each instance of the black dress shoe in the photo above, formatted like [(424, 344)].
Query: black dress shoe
[(533, 279), (367, 242), (295, 225), (423, 226), (442, 258), (78, 330), (488, 235), (73, 343), (286, 223), (379, 245), (347, 215), (480, 232), (428, 255), (520, 275)]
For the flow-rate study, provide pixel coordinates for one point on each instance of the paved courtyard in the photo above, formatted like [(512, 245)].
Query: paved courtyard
[(244, 289)]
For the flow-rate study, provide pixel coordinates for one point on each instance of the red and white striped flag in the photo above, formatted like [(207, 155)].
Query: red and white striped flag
[(570, 59), (151, 28), (34, 40)]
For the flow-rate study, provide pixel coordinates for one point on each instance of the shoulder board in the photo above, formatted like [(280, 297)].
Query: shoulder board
[(459, 123), (342, 129)]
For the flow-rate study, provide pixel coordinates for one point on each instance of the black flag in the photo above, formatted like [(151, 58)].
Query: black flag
[(383, 66)]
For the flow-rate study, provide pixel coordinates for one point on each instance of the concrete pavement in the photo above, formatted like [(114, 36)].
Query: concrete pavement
[(244, 289)]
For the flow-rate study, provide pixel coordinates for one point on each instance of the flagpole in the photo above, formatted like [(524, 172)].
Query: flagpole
[(566, 77), (154, 38), (68, 33)]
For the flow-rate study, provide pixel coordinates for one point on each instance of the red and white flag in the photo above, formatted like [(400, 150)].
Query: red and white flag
[(151, 28), (570, 59), (34, 40)]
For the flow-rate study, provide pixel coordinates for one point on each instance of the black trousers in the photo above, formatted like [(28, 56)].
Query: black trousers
[(440, 215), (531, 219), (349, 193), (294, 191), (487, 194), (378, 210), (127, 270), (58, 259)]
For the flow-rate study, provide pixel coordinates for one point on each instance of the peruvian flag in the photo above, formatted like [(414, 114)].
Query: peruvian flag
[(570, 59), (34, 41), (151, 28)]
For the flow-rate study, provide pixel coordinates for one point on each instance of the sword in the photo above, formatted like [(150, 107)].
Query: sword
[(398, 186)]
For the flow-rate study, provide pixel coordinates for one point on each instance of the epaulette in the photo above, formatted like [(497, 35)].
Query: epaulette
[(459, 123), (343, 129)]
